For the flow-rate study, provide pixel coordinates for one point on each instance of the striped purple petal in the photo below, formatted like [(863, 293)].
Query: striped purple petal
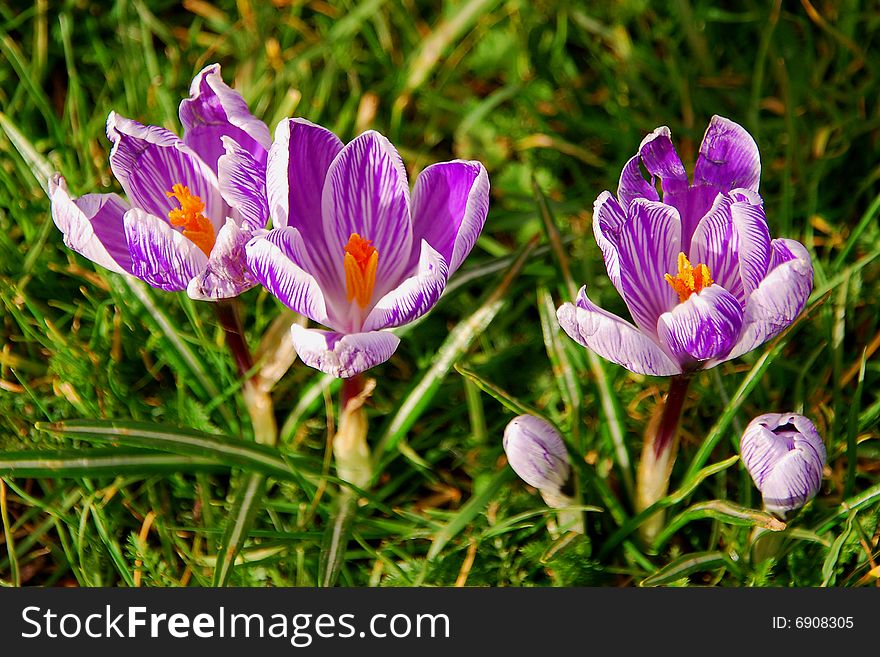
[(779, 298), (414, 296), (160, 255), (450, 201), (785, 456), (92, 225), (296, 172), (343, 355), (733, 240), (658, 155), (613, 338), (705, 326), (647, 247), (729, 157), (226, 273), (367, 193), (242, 182), (215, 110), (148, 161), (273, 259)]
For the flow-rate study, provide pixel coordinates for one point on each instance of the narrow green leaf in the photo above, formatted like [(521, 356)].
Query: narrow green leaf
[(862, 500), (335, 539), (468, 512), (252, 456), (102, 462), (831, 559), (852, 428), (455, 345), (245, 506), (723, 511), (515, 522), (507, 400), (675, 497), (684, 566)]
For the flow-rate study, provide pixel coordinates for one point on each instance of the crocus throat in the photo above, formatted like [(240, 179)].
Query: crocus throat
[(688, 279), (196, 226), (361, 260)]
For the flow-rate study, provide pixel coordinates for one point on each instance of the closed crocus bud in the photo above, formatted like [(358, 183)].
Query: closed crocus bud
[(785, 455), (537, 454)]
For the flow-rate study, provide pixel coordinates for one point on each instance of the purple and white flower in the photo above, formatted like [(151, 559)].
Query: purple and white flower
[(702, 278), (536, 453), (785, 456), (350, 248), (178, 230)]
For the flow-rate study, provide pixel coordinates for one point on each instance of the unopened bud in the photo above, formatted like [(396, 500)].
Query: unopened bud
[(536, 453), (785, 456)]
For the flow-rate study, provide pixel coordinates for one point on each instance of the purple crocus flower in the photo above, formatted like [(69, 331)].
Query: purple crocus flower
[(350, 249), (701, 277), (179, 230), (785, 456), (536, 453)]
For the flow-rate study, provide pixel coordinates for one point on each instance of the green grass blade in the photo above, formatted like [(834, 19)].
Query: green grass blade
[(245, 506), (685, 565), (458, 342), (723, 511), (831, 559), (251, 456), (468, 512), (101, 462), (507, 400), (335, 540)]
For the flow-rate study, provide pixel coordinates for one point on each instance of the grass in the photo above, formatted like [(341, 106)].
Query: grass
[(553, 97)]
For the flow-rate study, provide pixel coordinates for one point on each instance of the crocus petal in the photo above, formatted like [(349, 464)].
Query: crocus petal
[(414, 297), (295, 175), (608, 217), (647, 248), (733, 240), (613, 338), (367, 193), (226, 274), (148, 161), (729, 157), (92, 225), (780, 297), (704, 326), (273, 260), (243, 184), (160, 255), (343, 355), (450, 202), (659, 157), (214, 110)]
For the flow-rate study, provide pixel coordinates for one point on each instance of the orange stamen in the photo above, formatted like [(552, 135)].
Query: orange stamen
[(688, 279), (196, 226), (361, 260)]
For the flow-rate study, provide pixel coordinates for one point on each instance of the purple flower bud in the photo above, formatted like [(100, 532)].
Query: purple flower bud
[(537, 454), (785, 455)]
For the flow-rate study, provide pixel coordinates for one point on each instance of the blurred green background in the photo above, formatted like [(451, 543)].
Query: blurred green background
[(553, 97)]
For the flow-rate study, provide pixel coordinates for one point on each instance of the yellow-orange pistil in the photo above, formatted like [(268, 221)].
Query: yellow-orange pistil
[(688, 279), (361, 260), (196, 226)]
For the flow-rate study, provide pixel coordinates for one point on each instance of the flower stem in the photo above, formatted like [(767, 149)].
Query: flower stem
[(256, 398), (658, 455), (353, 462)]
